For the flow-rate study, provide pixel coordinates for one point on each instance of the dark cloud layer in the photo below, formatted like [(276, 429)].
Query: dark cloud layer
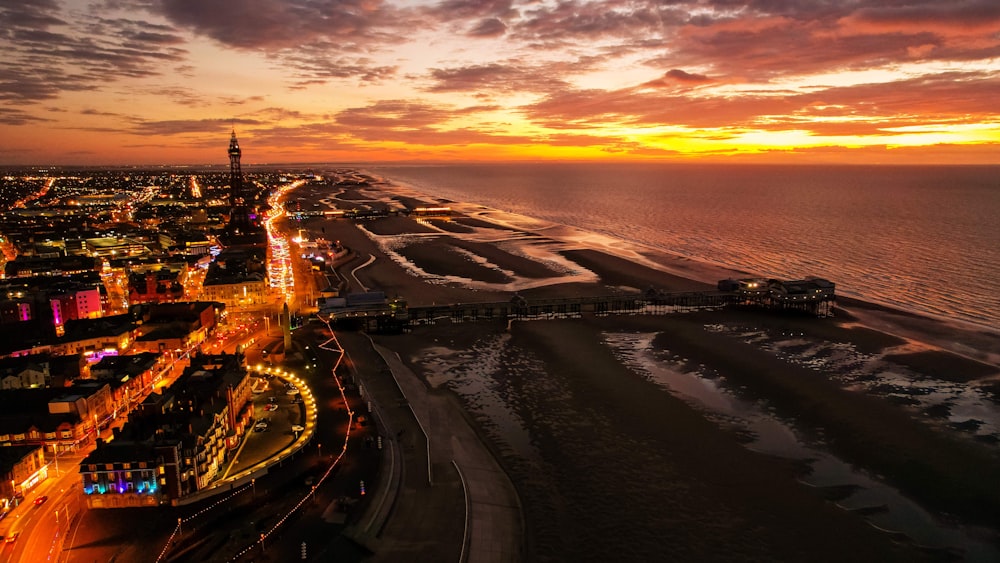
[(45, 56), (256, 24)]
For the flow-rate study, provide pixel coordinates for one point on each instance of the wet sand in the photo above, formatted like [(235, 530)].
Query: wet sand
[(662, 479)]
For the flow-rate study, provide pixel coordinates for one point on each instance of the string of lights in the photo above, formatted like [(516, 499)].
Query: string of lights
[(333, 464)]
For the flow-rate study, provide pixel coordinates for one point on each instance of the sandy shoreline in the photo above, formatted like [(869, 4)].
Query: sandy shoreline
[(755, 499)]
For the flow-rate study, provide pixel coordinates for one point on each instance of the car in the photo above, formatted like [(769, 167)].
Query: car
[(41, 500), (13, 537), (271, 407)]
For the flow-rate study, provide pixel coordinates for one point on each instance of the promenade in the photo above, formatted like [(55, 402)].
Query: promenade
[(442, 496)]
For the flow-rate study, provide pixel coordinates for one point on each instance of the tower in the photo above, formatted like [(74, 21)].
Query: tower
[(286, 327), (239, 208)]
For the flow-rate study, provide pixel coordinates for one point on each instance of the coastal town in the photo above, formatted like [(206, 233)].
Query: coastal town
[(147, 319)]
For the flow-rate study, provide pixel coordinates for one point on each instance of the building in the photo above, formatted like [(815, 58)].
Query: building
[(122, 473), (176, 443), (25, 372), (238, 278), (21, 468), (57, 419), (96, 338), (64, 265), (175, 327), (130, 378)]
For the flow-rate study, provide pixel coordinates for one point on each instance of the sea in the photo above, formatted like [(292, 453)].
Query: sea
[(924, 239)]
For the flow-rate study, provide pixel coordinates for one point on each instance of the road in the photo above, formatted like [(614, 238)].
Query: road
[(40, 529)]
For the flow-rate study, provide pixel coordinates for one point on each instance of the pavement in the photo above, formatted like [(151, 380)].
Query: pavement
[(441, 496)]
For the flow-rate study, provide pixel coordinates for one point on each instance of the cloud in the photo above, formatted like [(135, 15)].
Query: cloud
[(277, 24), (957, 14), (676, 77), (14, 116), (500, 77), (172, 127), (490, 27), (45, 55), (394, 114), (317, 64), (570, 22), (682, 76)]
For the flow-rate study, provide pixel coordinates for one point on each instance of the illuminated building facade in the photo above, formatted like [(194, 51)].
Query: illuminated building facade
[(123, 474), (21, 468), (238, 278), (96, 338)]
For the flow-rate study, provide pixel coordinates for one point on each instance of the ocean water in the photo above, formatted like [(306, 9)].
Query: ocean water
[(924, 239)]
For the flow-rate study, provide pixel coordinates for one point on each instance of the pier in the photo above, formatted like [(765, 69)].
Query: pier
[(812, 296)]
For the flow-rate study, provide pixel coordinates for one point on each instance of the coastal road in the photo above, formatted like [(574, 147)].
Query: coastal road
[(40, 528)]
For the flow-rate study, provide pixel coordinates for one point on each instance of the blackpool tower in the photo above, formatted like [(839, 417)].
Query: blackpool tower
[(239, 203)]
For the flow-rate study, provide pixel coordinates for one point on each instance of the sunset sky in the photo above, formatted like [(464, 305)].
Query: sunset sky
[(165, 81)]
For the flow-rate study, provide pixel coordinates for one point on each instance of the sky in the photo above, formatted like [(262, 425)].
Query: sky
[(798, 81)]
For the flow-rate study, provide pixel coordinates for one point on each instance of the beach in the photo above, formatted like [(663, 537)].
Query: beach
[(611, 464)]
